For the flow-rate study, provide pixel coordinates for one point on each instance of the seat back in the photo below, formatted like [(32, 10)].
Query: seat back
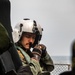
[(6, 62), (9, 59)]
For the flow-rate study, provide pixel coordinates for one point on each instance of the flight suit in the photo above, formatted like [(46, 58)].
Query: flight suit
[(44, 67)]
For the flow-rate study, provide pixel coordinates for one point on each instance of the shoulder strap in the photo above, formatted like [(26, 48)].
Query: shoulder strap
[(25, 54)]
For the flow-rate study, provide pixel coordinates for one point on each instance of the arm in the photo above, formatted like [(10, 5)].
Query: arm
[(46, 61), (35, 60)]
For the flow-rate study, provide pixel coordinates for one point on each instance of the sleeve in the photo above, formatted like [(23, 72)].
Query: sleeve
[(35, 67), (47, 63)]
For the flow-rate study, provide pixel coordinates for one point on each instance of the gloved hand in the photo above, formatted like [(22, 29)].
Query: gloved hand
[(43, 48), (37, 52)]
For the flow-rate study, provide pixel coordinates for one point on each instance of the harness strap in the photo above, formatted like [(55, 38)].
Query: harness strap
[(25, 54)]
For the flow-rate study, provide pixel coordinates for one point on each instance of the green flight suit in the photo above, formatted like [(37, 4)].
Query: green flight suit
[(44, 67)]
